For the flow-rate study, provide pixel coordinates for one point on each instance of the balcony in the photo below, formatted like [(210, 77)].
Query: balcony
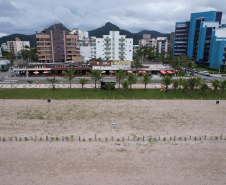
[(107, 44), (107, 53), (121, 44), (121, 53), (107, 48), (120, 48), (107, 39), (121, 39)]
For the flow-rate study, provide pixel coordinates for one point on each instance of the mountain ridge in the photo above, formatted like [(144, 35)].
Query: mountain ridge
[(98, 32)]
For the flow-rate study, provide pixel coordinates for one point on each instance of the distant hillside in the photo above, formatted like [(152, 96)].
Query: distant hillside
[(99, 32), (62, 27), (154, 34), (31, 38)]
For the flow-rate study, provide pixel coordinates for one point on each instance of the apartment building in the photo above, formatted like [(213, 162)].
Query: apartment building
[(17, 45), (56, 45), (202, 38), (114, 47), (148, 41), (160, 43)]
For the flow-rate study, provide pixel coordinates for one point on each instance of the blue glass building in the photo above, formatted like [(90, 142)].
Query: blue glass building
[(202, 38)]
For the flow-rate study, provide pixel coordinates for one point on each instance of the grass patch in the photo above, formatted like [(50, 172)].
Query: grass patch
[(103, 94)]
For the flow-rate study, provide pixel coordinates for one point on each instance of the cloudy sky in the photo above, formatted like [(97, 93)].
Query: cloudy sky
[(29, 16)]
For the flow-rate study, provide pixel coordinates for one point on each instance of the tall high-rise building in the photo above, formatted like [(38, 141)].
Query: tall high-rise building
[(56, 45), (202, 38), (114, 47)]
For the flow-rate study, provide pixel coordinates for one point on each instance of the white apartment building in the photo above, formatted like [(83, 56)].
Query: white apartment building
[(162, 44), (114, 47), (17, 45)]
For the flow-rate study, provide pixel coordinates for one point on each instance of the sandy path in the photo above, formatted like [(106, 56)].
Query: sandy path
[(112, 162)]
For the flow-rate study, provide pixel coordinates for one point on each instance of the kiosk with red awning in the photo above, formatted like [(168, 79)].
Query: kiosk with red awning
[(163, 72)]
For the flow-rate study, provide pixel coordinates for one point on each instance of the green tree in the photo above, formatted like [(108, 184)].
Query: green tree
[(83, 81), (11, 57), (215, 84), (184, 85), (120, 75), (132, 79), (52, 81), (175, 84), (146, 79), (222, 86), (69, 74), (125, 86), (198, 82), (166, 81), (137, 62), (109, 86), (191, 84), (95, 75), (204, 87), (180, 81)]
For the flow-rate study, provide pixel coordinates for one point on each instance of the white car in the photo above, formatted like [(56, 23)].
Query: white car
[(206, 73)]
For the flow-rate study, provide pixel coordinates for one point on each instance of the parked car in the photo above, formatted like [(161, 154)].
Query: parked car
[(201, 72), (206, 73)]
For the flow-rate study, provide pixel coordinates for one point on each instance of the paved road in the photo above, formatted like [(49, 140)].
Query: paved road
[(7, 81)]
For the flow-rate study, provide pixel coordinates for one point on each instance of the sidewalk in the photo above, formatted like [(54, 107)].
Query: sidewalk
[(87, 86)]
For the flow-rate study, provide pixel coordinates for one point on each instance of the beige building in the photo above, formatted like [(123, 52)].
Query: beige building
[(17, 46), (56, 45)]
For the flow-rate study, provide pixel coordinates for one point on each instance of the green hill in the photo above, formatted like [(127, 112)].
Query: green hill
[(31, 38)]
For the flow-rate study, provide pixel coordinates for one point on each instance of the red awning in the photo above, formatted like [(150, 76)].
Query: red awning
[(144, 72), (129, 71), (170, 72), (163, 72), (176, 70), (140, 71)]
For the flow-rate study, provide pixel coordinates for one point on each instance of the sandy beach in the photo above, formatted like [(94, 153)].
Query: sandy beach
[(124, 159)]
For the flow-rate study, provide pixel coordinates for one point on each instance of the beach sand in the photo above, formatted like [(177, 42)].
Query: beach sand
[(126, 159)]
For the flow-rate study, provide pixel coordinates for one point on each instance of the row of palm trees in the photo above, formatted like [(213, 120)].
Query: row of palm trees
[(193, 82), (126, 81)]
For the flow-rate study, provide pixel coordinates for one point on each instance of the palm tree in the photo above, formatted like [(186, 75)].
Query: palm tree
[(146, 79), (125, 86), (204, 87), (132, 79), (191, 84), (175, 84), (69, 74), (166, 81), (180, 82), (83, 81), (198, 82), (109, 86), (11, 57), (95, 75), (215, 84), (137, 62), (120, 75), (52, 81), (184, 85), (222, 86)]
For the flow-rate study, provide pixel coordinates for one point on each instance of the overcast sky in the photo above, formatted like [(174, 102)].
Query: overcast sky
[(29, 16)]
